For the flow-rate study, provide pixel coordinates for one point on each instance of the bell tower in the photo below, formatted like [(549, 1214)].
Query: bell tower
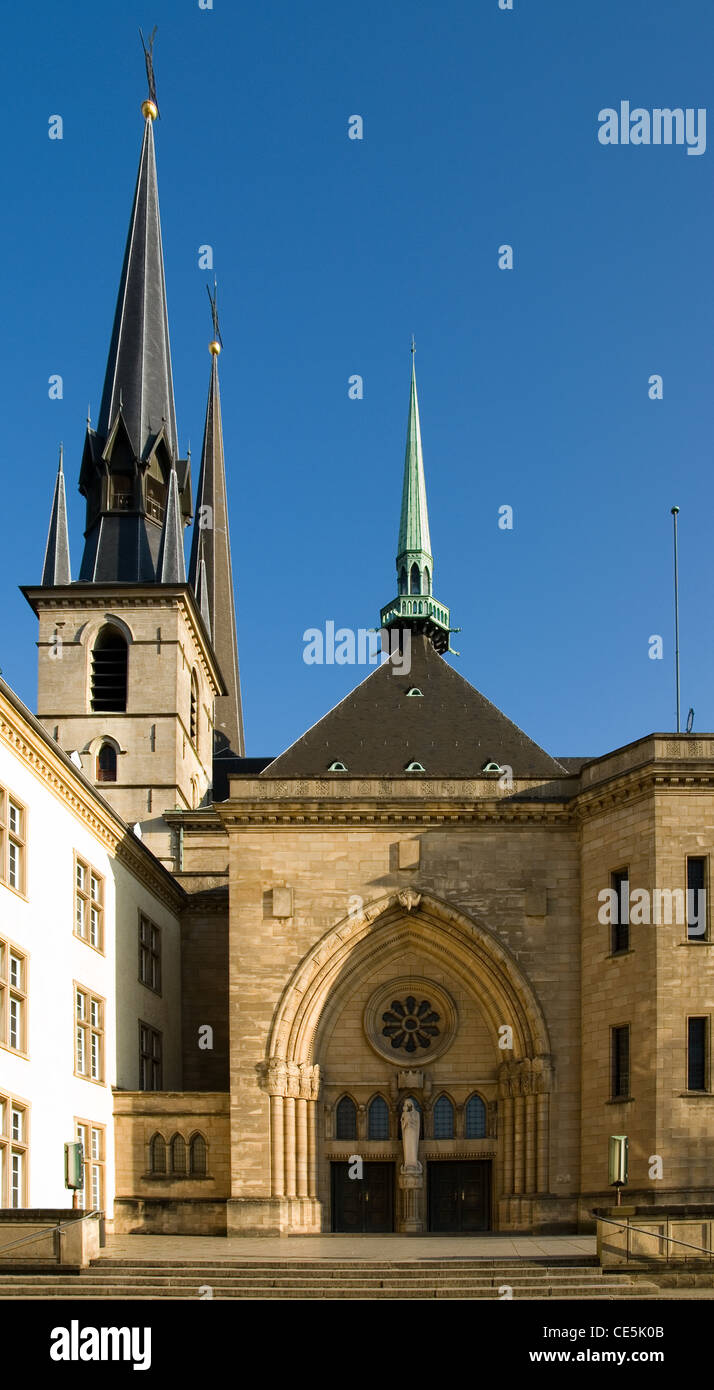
[(128, 671)]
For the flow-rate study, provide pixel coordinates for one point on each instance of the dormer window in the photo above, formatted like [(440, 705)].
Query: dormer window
[(337, 767), (415, 691), (414, 767), (491, 767)]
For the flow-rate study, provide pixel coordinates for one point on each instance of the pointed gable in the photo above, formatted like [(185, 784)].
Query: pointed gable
[(379, 729)]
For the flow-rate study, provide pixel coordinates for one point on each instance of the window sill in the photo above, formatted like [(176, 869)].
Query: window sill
[(696, 1095), (15, 1051), (177, 1177), (19, 892), (620, 1100), (617, 955), (696, 941), (93, 1080), (98, 949)]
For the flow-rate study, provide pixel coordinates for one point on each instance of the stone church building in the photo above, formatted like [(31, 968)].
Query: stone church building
[(413, 905)]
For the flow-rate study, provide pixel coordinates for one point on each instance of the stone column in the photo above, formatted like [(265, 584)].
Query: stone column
[(507, 1141), (518, 1143), (312, 1148), (301, 1145), (290, 1174), (530, 1143), (277, 1146)]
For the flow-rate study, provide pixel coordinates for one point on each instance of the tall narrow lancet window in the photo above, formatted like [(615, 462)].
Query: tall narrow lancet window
[(178, 1154), (157, 1154), (109, 671), (427, 581), (443, 1118), (415, 584), (197, 1157), (194, 708), (475, 1127), (402, 581), (346, 1119), (107, 763), (378, 1119)]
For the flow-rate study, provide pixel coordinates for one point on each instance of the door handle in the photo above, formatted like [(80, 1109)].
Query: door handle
[(463, 1195)]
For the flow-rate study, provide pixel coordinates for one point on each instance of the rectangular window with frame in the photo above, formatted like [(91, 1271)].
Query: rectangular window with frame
[(150, 1058), (14, 1121), (88, 904), (13, 841), (149, 954), (620, 1062), (88, 1034), (13, 997), (698, 1054), (620, 923), (92, 1137), (697, 867)]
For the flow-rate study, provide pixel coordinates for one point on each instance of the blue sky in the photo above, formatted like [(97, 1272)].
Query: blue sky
[(480, 128)]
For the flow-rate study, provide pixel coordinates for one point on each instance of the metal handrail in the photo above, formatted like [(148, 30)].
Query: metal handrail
[(674, 1240), (57, 1226)]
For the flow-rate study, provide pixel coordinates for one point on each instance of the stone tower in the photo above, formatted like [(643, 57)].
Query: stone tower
[(128, 671)]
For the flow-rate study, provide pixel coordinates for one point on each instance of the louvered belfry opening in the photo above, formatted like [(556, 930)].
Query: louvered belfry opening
[(109, 671)]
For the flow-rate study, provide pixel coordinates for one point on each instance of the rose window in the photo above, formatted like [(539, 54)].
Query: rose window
[(409, 1024)]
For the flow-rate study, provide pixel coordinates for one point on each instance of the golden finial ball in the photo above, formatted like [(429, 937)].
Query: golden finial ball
[(149, 110), (214, 348)]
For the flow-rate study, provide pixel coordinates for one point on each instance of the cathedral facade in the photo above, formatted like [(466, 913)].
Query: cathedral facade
[(427, 969)]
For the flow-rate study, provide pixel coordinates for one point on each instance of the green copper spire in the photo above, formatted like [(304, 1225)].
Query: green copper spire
[(414, 545), (415, 606)]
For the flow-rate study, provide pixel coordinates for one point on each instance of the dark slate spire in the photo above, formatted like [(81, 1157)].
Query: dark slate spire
[(56, 568), (211, 554), (172, 566), (415, 606), (128, 458), (202, 596)]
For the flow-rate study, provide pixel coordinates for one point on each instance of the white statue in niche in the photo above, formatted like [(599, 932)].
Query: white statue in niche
[(410, 1137)]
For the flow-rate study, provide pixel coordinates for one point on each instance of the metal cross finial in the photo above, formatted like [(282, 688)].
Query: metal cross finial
[(214, 310), (149, 60)]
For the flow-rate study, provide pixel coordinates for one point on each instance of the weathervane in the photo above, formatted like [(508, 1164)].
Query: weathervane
[(215, 346), (149, 60)]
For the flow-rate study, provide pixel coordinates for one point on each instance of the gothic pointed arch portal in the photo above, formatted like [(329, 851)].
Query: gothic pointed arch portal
[(465, 951)]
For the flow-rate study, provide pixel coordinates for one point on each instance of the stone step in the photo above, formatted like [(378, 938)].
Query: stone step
[(604, 1293)]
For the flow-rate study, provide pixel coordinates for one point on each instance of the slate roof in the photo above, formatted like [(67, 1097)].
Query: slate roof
[(452, 730)]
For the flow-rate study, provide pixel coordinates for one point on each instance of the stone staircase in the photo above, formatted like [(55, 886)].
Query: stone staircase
[(328, 1279)]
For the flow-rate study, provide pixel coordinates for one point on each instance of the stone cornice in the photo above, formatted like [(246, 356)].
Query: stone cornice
[(69, 786)]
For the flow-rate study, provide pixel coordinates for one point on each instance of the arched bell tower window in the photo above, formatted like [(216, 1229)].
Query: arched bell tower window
[(443, 1118), (107, 763), (346, 1119), (475, 1127), (193, 721), (415, 581), (109, 671), (427, 580), (402, 580)]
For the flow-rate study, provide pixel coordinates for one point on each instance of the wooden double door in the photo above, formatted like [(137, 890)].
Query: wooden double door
[(459, 1196), (363, 1206)]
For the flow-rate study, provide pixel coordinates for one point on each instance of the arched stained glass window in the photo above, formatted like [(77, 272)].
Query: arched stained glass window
[(443, 1118), (475, 1118), (378, 1119), (346, 1119)]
